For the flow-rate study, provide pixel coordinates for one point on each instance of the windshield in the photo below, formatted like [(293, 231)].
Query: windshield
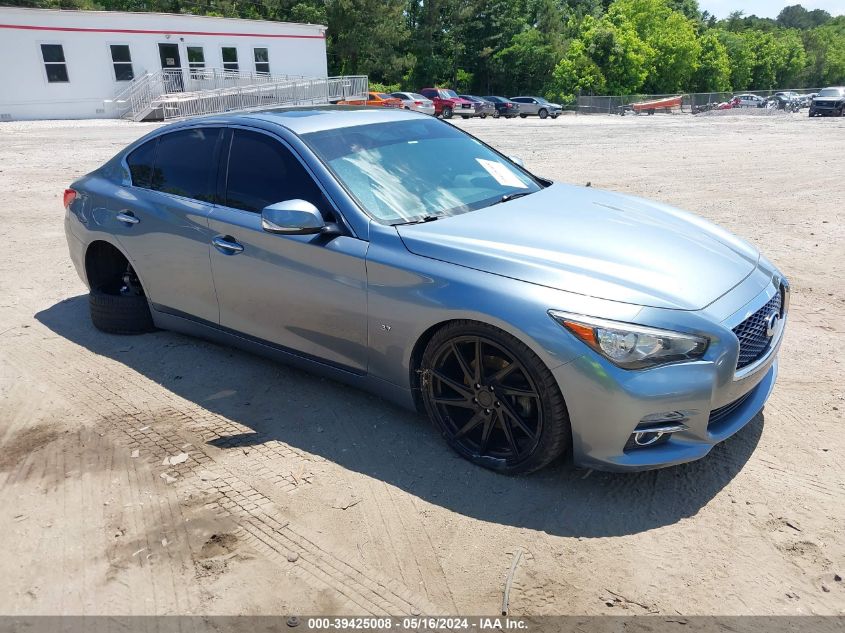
[(540, 100), (449, 94), (405, 171), (830, 92)]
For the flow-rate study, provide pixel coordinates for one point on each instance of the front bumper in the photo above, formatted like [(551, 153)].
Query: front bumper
[(606, 403)]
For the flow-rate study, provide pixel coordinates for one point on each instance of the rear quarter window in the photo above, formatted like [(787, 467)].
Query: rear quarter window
[(141, 162)]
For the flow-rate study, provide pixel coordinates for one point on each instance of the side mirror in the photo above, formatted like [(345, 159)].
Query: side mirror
[(517, 160), (293, 217)]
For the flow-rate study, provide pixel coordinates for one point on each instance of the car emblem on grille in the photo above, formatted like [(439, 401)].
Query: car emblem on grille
[(771, 324)]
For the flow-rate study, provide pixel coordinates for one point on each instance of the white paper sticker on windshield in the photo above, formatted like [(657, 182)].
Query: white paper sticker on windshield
[(502, 174)]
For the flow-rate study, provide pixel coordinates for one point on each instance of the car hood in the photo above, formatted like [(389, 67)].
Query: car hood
[(594, 243)]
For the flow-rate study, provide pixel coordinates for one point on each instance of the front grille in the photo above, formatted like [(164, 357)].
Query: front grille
[(717, 416), (753, 341)]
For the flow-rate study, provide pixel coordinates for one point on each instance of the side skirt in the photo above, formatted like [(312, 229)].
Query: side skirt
[(185, 324)]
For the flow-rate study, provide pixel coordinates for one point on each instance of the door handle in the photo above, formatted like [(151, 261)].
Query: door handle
[(127, 217), (227, 244)]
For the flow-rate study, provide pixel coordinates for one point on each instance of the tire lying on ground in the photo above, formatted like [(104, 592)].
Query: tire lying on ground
[(117, 313)]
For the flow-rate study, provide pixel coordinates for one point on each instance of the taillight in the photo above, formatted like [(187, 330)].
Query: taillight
[(417, 102), (69, 197)]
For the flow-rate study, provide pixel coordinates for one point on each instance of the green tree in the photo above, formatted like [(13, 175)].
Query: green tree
[(669, 35), (526, 66), (577, 73), (797, 17), (741, 57), (479, 30), (714, 65), (608, 56), (368, 37), (825, 49)]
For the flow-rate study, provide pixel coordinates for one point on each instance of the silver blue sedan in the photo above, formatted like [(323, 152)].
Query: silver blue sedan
[(528, 319)]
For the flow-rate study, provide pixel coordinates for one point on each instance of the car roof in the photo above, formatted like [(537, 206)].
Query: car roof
[(305, 119)]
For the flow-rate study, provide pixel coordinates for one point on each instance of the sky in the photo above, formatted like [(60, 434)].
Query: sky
[(768, 8)]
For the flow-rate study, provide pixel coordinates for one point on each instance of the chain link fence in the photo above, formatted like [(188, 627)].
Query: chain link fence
[(606, 104)]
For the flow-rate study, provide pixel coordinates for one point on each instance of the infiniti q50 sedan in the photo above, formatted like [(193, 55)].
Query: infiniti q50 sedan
[(390, 250)]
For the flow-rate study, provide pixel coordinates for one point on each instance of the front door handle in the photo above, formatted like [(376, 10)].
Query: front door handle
[(227, 244), (127, 217)]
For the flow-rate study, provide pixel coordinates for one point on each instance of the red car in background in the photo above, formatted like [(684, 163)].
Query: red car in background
[(447, 102), (378, 99)]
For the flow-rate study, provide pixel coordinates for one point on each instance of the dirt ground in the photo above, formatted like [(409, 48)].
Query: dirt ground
[(161, 474)]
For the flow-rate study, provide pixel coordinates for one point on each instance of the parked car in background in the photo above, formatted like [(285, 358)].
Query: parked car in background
[(447, 102), (481, 105), (807, 99), (537, 106), (784, 101), (383, 100), (415, 101), (829, 102), (749, 101), (504, 107), (378, 99)]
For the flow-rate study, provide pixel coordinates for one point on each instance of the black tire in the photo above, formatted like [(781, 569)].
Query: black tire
[(543, 113), (120, 314), (464, 116), (483, 115), (496, 114), (522, 116), (526, 409), (446, 113)]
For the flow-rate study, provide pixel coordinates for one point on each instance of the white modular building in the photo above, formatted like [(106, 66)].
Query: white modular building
[(57, 64)]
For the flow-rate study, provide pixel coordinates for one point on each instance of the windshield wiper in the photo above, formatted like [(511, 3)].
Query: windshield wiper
[(420, 220), (514, 195)]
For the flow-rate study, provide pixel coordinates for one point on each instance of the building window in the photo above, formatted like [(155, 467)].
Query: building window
[(230, 58), (196, 57), (54, 63), (196, 61), (262, 60), (122, 61)]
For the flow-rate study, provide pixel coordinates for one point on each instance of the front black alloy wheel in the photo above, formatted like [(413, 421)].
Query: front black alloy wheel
[(493, 399)]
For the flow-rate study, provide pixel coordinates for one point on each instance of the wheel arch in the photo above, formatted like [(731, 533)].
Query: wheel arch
[(422, 341), (103, 259)]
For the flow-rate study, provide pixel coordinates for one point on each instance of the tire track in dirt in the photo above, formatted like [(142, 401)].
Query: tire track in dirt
[(82, 383)]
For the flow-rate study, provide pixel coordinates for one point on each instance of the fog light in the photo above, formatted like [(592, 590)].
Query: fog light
[(656, 428)]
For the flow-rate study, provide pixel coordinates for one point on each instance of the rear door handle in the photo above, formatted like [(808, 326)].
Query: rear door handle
[(227, 244), (127, 217)]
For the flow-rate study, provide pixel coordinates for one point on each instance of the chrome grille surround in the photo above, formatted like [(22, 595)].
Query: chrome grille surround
[(753, 333)]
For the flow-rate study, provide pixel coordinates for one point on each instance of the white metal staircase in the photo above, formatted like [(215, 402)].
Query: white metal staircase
[(177, 93)]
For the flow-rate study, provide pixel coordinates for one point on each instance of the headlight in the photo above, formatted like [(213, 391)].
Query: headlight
[(632, 346)]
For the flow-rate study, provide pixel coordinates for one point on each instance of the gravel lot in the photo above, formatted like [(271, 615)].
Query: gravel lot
[(285, 493)]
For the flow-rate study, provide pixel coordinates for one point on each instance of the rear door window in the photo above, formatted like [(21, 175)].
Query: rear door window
[(185, 163), (262, 172)]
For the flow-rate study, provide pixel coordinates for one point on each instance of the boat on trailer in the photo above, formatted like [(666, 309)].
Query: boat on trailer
[(666, 104)]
